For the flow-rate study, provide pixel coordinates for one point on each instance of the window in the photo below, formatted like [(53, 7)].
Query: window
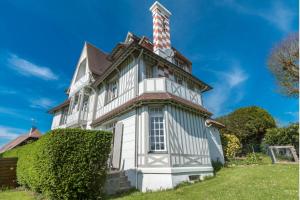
[(157, 133), (178, 80), (63, 119), (149, 71), (112, 91), (81, 70), (74, 107)]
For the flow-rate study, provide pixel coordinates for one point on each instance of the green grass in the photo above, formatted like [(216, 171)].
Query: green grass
[(247, 182), (16, 195), (240, 182)]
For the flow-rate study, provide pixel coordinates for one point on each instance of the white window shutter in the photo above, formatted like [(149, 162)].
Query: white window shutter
[(117, 148)]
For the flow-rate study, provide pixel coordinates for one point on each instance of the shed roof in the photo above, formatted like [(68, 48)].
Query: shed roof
[(33, 133)]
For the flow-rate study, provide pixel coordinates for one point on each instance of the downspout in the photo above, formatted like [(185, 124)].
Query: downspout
[(137, 118)]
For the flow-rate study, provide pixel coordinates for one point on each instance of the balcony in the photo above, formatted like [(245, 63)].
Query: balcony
[(166, 85), (77, 118)]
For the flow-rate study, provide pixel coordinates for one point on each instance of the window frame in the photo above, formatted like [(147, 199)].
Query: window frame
[(157, 115), (109, 93), (64, 115)]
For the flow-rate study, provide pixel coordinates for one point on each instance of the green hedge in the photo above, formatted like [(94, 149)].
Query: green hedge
[(65, 163), (288, 135)]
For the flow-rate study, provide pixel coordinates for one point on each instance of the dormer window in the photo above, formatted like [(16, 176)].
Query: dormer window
[(81, 70)]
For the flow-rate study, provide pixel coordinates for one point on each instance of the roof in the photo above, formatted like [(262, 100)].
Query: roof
[(155, 98), (98, 60), (34, 133), (58, 107), (147, 45), (214, 123)]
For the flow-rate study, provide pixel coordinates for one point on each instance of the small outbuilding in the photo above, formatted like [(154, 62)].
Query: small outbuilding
[(33, 135)]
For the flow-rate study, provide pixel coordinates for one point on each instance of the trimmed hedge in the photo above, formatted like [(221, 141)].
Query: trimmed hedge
[(65, 163)]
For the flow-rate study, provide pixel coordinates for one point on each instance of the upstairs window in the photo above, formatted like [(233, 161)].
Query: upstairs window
[(112, 90), (75, 104), (81, 70), (157, 140), (178, 79), (64, 114)]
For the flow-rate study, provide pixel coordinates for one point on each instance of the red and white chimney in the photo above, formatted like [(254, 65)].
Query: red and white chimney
[(161, 30)]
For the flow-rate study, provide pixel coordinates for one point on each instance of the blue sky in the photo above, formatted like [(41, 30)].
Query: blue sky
[(228, 42)]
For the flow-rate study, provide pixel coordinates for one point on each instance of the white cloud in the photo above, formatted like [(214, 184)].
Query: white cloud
[(28, 68), (10, 133), (43, 103), (278, 14), (227, 89)]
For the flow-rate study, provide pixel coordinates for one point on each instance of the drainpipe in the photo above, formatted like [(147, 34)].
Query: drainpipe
[(137, 117)]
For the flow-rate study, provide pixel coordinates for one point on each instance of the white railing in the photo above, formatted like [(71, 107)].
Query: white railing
[(166, 85), (75, 118)]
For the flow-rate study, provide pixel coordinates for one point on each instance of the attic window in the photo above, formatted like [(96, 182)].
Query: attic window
[(81, 70)]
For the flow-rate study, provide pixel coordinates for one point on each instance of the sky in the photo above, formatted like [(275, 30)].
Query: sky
[(228, 42)]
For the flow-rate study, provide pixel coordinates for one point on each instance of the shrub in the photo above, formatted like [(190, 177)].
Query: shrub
[(231, 145), (253, 158), (65, 164), (217, 165), (283, 136), (75, 163), (27, 175), (249, 124)]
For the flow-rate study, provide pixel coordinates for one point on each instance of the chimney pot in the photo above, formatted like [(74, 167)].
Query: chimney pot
[(161, 30)]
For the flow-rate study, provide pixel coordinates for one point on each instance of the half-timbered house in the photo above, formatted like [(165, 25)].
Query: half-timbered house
[(145, 93)]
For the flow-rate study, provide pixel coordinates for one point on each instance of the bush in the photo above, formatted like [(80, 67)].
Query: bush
[(249, 124), (217, 165), (65, 164), (253, 158), (27, 175), (231, 145), (283, 136), (250, 159)]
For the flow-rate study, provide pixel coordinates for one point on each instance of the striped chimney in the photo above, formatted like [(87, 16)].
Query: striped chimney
[(161, 29)]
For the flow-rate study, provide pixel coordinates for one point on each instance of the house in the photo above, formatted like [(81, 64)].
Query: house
[(33, 135), (145, 93)]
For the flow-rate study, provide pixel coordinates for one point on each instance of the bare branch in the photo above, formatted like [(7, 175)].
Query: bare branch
[(284, 64)]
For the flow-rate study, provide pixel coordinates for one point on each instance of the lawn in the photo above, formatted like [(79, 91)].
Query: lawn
[(16, 195), (278, 181)]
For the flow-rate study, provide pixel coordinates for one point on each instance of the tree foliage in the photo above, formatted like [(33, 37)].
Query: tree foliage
[(283, 136), (284, 64), (231, 145), (249, 124)]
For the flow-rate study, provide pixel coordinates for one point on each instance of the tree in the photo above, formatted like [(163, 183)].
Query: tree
[(283, 136), (284, 64), (249, 125)]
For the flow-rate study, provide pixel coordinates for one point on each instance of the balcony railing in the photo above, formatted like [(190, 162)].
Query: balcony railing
[(166, 85), (77, 118)]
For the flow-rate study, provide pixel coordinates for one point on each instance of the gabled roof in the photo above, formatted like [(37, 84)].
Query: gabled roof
[(98, 60), (58, 107), (34, 133)]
